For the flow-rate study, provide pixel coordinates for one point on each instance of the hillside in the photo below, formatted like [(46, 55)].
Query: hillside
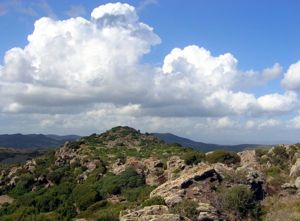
[(11, 155), (206, 147), (34, 141), (125, 175)]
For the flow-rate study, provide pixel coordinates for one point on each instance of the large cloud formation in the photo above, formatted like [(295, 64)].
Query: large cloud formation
[(93, 68)]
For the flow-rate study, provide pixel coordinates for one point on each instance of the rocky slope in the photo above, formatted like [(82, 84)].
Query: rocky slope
[(125, 175)]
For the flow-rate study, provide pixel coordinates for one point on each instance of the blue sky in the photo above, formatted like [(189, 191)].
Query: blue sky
[(259, 35)]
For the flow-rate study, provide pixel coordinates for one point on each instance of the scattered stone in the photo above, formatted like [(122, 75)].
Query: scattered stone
[(288, 186), (149, 213)]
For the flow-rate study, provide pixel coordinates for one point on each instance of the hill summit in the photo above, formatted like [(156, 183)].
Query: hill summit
[(123, 174)]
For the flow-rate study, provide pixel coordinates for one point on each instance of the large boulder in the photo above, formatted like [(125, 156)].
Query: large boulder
[(149, 213), (194, 183)]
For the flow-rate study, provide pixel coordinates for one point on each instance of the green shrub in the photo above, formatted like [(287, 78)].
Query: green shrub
[(85, 195), (193, 158), (7, 209), (280, 157), (55, 176), (222, 156), (23, 186), (96, 206), (131, 179), (238, 201), (273, 171), (138, 194), (47, 202), (112, 184), (260, 152), (186, 208), (157, 200), (66, 211), (22, 214), (52, 216)]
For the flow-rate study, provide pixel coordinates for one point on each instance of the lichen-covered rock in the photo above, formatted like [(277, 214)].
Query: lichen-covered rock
[(248, 160), (149, 213), (207, 212), (194, 183), (174, 166), (154, 171)]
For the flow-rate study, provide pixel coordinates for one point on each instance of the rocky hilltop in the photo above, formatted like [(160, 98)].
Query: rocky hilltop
[(125, 175)]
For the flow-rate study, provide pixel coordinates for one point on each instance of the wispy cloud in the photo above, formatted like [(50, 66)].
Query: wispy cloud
[(28, 8), (145, 3), (76, 10)]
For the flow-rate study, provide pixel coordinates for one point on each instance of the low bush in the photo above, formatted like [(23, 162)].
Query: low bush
[(193, 158), (96, 206), (222, 156), (112, 184), (23, 186), (157, 200), (238, 201), (186, 208), (85, 195), (138, 194)]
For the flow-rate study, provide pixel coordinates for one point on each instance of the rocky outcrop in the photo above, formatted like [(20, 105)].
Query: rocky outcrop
[(149, 213), (151, 168), (196, 183), (174, 167), (256, 182), (154, 171), (207, 213), (65, 154), (248, 160), (30, 166), (295, 169)]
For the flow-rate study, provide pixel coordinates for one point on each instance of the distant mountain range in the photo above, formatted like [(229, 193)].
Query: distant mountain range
[(205, 147), (41, 141), (34, 141)]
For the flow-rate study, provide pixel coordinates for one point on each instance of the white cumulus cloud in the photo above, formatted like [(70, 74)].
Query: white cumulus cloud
[(87, 71), (291, 80)]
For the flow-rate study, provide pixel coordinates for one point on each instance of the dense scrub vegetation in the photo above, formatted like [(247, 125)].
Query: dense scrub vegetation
[(59, 188)]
